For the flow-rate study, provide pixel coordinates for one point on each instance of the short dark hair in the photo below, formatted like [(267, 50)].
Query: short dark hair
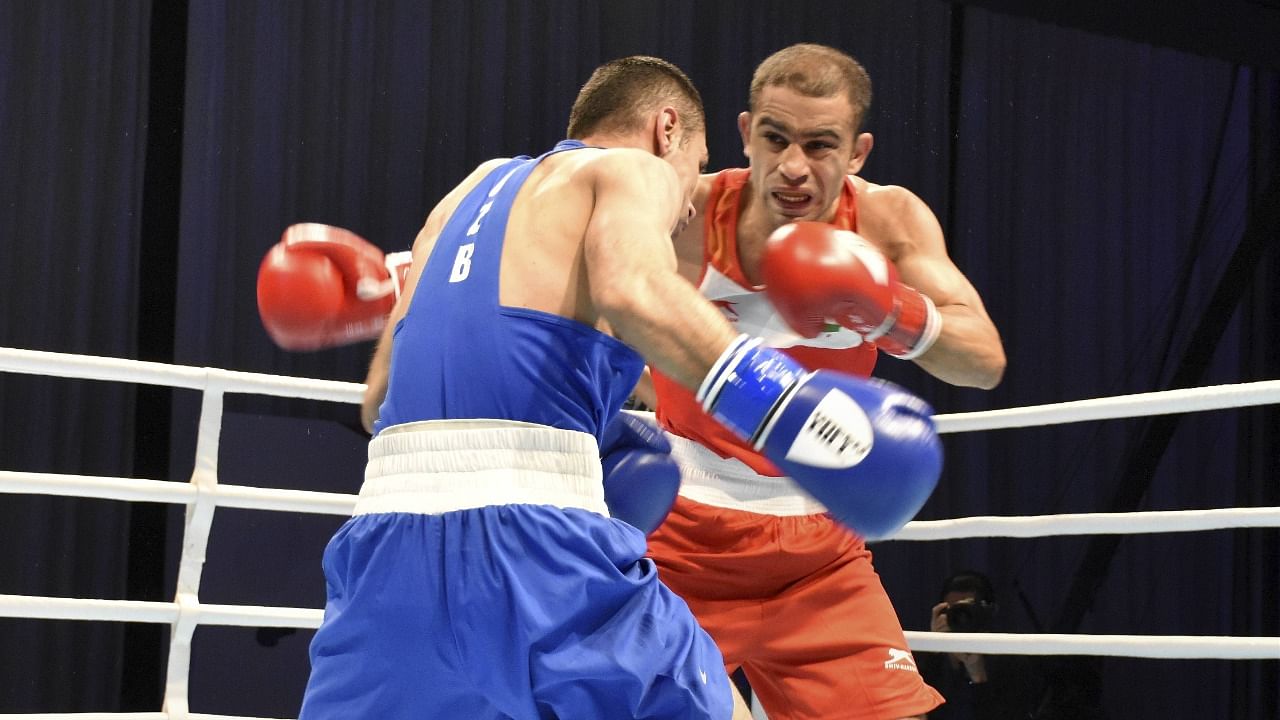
[(619, 93), (969, 581), (816, 71)]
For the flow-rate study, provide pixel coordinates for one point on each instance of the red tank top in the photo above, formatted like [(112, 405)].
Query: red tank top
[(725, 284)]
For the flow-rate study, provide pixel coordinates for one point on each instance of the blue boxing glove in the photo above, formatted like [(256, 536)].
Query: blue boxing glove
[(640, 477), (867, 449)]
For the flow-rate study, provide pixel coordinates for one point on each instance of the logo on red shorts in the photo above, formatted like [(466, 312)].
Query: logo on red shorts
[(900, 660)]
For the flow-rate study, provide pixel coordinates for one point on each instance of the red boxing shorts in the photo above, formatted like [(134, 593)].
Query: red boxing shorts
[(792, 599)]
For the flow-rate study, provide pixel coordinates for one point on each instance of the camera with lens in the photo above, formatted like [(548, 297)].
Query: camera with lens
[(969, 615)]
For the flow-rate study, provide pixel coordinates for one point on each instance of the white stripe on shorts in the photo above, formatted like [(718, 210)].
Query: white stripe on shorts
[(707, 478), (438, 466)]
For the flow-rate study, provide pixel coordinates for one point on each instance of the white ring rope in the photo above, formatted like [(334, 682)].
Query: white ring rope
[(204, 493), (327, 503), (1162, 402), (1182, 647), (57, 608), (1144, 646), (125, 716), (86, 367), (1125, 523), (236, 496)]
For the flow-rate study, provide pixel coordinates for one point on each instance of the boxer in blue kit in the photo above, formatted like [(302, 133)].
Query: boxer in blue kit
[(482, 575)]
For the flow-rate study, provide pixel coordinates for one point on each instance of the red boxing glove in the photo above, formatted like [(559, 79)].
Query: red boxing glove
[(814, 271), (323, 286)]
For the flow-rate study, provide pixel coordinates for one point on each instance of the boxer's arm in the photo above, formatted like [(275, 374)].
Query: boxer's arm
[(968, 351), (380, 364), (631, 269), (688, 246)]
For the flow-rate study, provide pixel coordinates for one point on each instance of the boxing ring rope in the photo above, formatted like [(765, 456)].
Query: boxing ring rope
[(204, 493)]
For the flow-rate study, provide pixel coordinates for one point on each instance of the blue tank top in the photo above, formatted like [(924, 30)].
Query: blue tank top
[(459, 354)]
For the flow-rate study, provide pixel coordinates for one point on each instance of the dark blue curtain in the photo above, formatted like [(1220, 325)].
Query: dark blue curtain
[(1101, 195), (360, 117), (1115, 204), (73, 101)]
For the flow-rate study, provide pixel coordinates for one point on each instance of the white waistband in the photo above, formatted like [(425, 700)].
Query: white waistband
[(443, 465), (707, 478)]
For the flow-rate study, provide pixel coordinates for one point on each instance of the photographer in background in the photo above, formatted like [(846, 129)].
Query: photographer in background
[(976, 686), (1003, 687)]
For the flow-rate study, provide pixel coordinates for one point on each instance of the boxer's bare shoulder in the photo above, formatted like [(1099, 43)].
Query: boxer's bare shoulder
[(896, 220)]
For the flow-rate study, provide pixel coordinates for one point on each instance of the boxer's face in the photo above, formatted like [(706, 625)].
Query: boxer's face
[(800, 150)]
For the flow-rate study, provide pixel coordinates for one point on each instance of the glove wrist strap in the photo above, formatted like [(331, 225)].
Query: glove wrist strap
[(916, 328), (746, 384), (398, 267)]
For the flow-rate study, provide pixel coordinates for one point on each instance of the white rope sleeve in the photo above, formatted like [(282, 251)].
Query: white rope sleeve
[(124, 716), (1187, 647), (135, 490), (1133, 523), (58, 608), (1164, 402), (39, 362)]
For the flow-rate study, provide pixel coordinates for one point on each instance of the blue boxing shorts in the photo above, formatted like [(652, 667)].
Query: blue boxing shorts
[(442, 604)]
